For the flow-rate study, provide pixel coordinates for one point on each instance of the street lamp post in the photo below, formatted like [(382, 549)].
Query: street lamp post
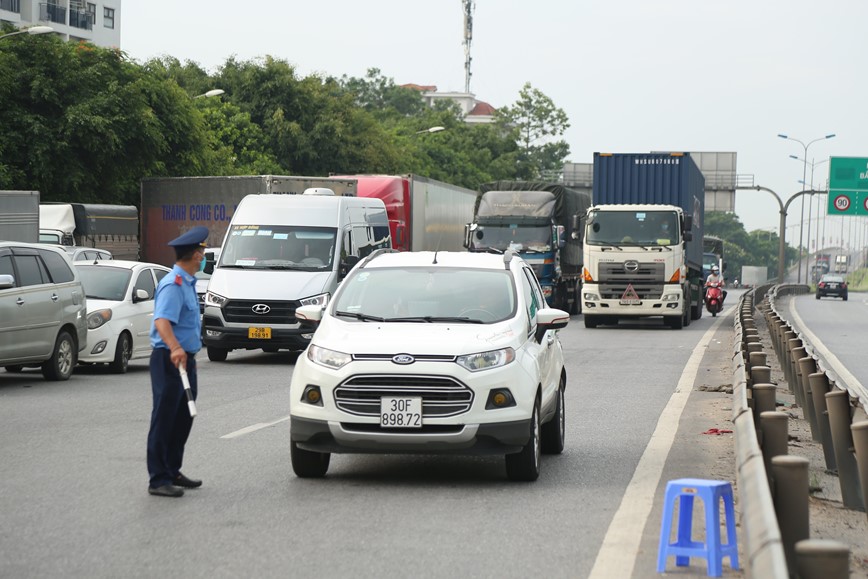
[(430, 130), (804, 177), (211, 93), (810, 207), (30, 30)]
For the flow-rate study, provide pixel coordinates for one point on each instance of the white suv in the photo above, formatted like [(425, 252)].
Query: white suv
[(431, 352)]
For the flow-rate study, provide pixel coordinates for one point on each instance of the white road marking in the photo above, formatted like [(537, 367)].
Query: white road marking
[(617, 554), (254, 428)]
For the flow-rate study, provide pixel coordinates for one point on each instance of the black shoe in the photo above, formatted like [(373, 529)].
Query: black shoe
[(187, 483), (166, 491)]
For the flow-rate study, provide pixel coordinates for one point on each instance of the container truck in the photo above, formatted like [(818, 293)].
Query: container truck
[(424, 214), (114, 228), (643, 239), (712, 254), (541, 221), (19, 216), (172, 205)]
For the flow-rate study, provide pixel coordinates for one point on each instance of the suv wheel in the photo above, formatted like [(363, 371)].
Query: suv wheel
[(217, 354), (62, 361), (524, 465), (554, 431), (123, 353), (308, 464)]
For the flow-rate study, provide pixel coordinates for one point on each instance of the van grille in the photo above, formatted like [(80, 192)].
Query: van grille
[(441, 395), (241, 311)]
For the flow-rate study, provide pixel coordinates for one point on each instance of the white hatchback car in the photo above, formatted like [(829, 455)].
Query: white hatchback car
[(120, 309), (430, 352)]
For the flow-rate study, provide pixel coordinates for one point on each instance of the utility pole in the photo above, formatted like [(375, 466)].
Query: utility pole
[(468, 37)]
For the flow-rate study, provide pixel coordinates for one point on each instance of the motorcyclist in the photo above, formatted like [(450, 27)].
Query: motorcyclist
[(715, 278)]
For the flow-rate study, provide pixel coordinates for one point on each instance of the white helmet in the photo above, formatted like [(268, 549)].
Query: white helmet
[(715, 269)]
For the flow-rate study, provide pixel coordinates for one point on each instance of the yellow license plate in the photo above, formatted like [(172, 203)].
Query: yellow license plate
[(259, 333)]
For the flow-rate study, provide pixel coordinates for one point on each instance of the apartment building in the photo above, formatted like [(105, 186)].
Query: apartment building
[(98, 22)]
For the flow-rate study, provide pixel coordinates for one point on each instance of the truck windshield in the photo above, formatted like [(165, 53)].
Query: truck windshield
[(279, 247), (633, 228), (526, 238)]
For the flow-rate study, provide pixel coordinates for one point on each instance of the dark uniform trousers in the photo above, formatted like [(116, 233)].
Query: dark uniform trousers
[(170, 418)]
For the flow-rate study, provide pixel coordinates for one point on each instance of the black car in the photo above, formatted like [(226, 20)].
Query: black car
[(832, 285)]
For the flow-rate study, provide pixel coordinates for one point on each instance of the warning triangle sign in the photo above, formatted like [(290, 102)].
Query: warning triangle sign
[(630, 296)]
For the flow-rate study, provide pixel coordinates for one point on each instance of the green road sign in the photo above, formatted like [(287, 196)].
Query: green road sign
[(848, 186)]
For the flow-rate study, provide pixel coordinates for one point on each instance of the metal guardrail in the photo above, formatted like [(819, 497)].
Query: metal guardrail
[(773, 486), (763, 544)]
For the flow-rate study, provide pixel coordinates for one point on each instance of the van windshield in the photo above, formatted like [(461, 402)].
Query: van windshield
[(279, 247)]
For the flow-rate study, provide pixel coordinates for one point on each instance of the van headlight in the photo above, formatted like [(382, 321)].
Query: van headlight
[(212, 299), (486, 360), (320, 300), (327, 358), (98, 318)]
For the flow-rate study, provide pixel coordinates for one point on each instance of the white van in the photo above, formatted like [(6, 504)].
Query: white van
[(282, 252)]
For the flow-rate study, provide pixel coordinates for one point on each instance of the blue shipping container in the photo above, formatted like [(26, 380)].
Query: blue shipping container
[(654, 178)]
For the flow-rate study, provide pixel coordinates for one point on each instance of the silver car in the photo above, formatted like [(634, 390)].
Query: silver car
[(42, 310)]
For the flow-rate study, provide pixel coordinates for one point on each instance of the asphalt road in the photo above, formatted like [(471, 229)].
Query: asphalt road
[(74, 503)]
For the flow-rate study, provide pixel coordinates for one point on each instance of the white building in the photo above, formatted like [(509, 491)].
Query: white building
[(97, 22), (474, 111)]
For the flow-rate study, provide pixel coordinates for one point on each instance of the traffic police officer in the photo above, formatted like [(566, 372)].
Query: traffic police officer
[(176, 336)]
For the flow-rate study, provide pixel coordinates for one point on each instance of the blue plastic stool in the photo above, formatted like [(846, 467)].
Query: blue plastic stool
[(710, 491)]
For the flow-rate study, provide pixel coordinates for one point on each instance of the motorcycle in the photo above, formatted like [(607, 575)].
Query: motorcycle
[(713, 298)]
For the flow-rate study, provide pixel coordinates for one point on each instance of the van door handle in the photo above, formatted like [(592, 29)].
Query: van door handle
[(54, 297), (19, 301)]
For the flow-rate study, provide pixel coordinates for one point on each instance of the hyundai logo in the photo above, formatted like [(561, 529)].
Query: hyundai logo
[(403, 359), (261, 309), (631, 265)]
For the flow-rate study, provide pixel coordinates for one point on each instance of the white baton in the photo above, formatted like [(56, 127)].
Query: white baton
[(191, 404)]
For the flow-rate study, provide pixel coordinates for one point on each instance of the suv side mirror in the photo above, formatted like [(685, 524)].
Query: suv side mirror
[(309, 316), (7, 281), (550, 319)]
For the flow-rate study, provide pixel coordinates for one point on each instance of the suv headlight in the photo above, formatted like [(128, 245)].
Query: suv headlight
[(98, 318), (327, 358), (320, 300), (486, 360), (212, 299)]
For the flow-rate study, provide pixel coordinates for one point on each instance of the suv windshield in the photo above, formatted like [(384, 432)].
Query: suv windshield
[(279, 247), (421, 294)]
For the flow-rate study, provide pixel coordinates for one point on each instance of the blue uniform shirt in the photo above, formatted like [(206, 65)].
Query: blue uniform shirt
[(175, 300)]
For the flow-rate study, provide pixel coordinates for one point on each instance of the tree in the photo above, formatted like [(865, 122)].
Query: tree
[(83, 123), (536, 123)]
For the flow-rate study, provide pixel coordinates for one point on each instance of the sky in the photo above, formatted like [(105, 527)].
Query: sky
[(632, 75)]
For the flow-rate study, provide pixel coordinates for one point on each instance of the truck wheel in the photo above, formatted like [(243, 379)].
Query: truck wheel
[(217, 354), (59, 366), (308, 464), (590, 321), (577, 301), (674, 322)]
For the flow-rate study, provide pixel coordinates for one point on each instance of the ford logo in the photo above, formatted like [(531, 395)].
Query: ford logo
[(403, 359), (261, 309), (631, 265)]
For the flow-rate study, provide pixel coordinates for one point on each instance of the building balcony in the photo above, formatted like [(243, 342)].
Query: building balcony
[(52, 13), (80, 19), (11, 6)]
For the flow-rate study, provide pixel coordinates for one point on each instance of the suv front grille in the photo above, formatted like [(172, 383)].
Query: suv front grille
[(241, 311), (441, 395)]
